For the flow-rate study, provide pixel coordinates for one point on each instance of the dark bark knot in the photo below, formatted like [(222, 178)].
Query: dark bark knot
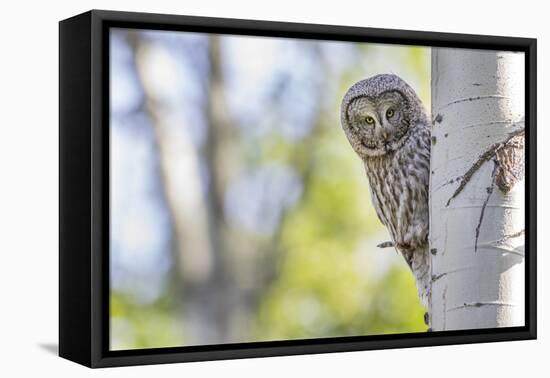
[(508, 156), (509, 168)]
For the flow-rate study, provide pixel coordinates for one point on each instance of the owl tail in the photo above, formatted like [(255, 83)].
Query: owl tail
[(418, 261)]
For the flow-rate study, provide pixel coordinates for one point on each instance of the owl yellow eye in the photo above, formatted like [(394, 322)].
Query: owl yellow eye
[(389, 113), (369, 120)]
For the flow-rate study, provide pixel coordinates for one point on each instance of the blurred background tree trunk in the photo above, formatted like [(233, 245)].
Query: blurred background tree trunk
[(217, 274), (197, 216), (477, 189)]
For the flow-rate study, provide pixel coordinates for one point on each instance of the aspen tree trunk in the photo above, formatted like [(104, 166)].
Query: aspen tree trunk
[(477, 204)]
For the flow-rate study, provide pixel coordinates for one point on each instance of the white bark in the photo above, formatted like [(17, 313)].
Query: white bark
[(477, 282)]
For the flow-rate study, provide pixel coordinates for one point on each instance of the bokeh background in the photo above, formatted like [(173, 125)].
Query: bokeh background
[(239, 212)]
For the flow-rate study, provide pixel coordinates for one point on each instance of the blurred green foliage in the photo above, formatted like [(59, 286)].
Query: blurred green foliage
[(137, 325), (322, 288), (330, 280)]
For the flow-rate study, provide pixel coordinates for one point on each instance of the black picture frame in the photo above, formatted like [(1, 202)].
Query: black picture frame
[(84, 188)]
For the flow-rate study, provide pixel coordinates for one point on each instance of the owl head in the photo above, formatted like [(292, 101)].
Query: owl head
[(378, 113)]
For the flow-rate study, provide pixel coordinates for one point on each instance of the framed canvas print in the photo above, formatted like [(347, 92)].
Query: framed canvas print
[(235, 188)]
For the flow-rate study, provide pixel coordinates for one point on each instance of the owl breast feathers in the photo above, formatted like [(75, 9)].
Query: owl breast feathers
[(388, 127)]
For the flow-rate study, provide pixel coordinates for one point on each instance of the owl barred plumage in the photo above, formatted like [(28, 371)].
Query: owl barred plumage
[(388, 127)]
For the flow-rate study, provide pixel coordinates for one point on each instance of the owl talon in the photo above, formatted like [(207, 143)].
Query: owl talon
[(404, 247)]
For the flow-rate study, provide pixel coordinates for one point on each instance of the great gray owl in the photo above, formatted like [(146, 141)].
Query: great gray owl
[(388, 127)]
